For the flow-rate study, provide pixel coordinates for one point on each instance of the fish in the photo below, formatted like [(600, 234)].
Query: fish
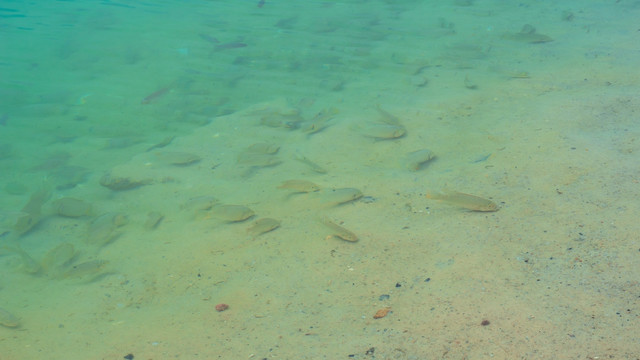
[(88, 270), (528, 34), (117, 183), (178, 158), (334, 197), (56, 258), (154, 95), (299, 186), (263, 225), (314, 167), (383, 131), (263, 148), (166, 141), (417, 159), (209, 38), (339, 231), (231, 213), (466, 201), (31, 213), (9, 320), (230, 45)]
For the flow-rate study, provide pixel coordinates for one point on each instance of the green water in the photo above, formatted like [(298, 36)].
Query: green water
[(302, 163)]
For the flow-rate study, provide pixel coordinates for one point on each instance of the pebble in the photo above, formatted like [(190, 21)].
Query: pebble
[(381, 313)]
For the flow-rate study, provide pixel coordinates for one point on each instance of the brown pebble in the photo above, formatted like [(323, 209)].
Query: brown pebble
[(221, 307), (381, 313)]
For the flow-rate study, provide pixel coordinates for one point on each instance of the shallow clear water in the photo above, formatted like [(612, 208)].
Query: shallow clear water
[(143, 143)]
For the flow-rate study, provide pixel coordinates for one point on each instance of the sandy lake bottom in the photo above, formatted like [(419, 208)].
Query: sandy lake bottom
[(117, 238)]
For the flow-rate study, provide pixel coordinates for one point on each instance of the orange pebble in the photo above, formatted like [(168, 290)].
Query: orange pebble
[(381, 313)]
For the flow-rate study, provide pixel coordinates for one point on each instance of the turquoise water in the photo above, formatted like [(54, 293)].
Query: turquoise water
[(325, 170)]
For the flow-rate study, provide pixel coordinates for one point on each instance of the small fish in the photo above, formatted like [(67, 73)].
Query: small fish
[(387, 117), (178, 158), (262, 226), (200, 203), (58, 257), (299, 186), (209, 38), (9, 320), (339, 231), (29, 265), (71, 207), (32, 212), (117, 183), (230, 45), (231, 213), (263, 148), (258, 160), (417, 159), (153, 220), (151, 97), (467, 201), (385, 131), (334, 197), (166, 141), (481, 158), (319, 122), (528, 34), (88, 270), (314, 167)]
